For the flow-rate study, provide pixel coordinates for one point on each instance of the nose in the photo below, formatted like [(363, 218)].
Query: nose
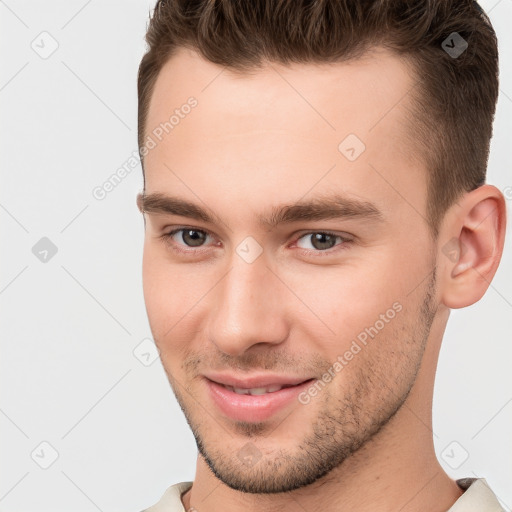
[(250, 308)]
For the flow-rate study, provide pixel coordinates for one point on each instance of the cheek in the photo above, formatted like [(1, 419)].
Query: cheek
[(163, 291), (346, 299), (173, 295)]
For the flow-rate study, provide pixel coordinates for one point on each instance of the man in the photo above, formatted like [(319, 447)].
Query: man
[(315, 205)]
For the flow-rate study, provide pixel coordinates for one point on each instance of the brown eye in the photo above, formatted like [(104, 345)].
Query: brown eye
[(193, 237), (320, 241)]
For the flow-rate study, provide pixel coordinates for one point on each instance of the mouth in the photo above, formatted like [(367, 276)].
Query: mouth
[(258, 391), (255, 404)]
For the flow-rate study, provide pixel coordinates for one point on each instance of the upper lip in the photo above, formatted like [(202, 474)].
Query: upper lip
[(256, 381)]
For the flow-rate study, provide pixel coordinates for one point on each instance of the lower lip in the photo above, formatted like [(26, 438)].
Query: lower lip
[(253, 407)]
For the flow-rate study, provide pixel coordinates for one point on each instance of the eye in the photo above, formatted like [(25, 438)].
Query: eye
[(187, 236), (320, 241)]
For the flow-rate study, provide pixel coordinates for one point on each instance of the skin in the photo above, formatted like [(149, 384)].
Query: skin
[(255, 143)]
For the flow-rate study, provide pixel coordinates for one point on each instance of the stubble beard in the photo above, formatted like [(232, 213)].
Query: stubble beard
[(336, 433)]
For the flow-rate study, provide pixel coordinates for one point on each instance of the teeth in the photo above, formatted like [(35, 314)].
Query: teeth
[(254, 391), (257, 391)]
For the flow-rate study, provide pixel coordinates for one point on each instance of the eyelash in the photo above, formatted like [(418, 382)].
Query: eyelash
[(167, 239)]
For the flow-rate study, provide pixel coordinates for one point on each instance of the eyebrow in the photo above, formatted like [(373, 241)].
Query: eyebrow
[(321, 208)]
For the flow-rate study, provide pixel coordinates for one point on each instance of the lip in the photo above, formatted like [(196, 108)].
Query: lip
[(253, 408)]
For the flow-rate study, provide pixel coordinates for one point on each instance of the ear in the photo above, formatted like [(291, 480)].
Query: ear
[(470, 246)]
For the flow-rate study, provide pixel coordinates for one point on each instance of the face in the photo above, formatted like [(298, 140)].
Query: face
[(287, 245)]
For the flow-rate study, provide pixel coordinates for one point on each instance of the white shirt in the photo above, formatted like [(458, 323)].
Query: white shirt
[(477, 497)]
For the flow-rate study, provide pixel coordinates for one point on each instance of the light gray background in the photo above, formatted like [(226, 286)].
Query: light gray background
[(69, 327)]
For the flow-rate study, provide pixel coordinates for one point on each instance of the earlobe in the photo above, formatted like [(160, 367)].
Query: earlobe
[(470, 256)]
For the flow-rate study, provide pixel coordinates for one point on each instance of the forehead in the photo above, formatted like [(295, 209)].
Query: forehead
[(284, 130), (340, 96)]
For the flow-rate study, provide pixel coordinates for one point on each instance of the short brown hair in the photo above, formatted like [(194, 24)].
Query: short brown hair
[(455, 98)]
